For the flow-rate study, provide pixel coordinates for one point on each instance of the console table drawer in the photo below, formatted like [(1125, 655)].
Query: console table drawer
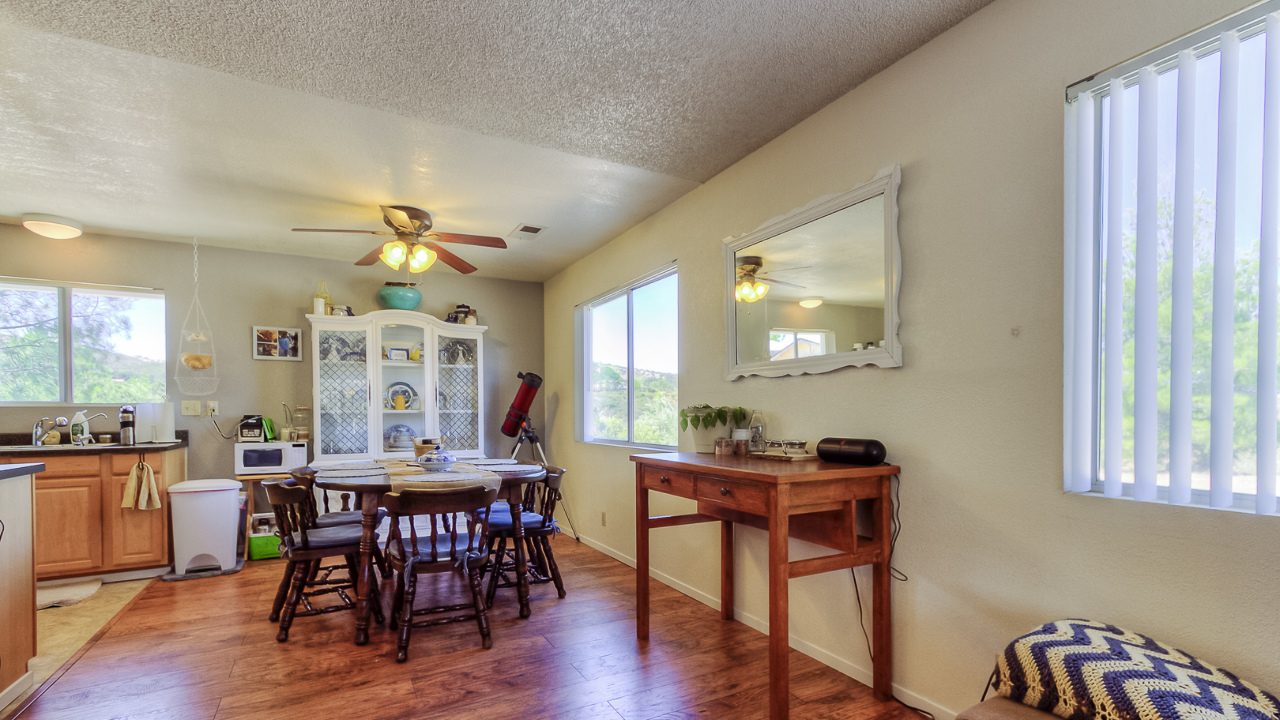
[(732, 493), (672, 482)]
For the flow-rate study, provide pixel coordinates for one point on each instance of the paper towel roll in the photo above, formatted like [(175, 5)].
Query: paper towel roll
[(144, 419), (164, 424)]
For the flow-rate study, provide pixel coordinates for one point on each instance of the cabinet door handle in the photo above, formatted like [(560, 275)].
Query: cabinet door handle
[(664, 479), (724, 491)]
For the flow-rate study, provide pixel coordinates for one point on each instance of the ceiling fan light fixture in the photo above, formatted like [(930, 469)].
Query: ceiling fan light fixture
[(421, 258), (810, 303), (750, 290), (394, 253), (52, 226)]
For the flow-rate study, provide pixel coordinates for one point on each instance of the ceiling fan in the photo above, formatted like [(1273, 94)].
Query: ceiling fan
[(414, 242), (750, 284)]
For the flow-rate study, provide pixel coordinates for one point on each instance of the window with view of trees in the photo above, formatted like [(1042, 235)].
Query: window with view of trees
[(1173, 182), (80, 344), (629, 359)]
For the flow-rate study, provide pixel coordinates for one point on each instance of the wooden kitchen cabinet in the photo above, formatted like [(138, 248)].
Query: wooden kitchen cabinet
[(80, 527)]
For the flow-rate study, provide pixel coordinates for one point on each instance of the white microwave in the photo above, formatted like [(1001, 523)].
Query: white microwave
[(259, 458)]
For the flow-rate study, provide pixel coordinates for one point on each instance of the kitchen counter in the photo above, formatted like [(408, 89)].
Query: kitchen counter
[(20, 469), (13, 444)]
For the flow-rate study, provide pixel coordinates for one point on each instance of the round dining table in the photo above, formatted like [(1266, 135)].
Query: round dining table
[(368, 492)]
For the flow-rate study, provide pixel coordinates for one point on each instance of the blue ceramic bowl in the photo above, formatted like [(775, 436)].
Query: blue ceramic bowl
[(399, 297)]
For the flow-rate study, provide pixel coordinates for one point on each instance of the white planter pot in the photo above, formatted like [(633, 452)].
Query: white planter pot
[(704, 439)]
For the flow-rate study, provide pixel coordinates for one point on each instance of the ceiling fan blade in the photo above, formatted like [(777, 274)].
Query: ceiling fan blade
[(779, 282), (798, 267), (481, 240), (452, 260), (362, 232), (371, 258), (398, 220)]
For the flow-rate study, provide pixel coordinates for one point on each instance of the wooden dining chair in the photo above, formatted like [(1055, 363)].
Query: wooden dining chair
[(331, 518), (304, 544), (447, 546), (538, 518)]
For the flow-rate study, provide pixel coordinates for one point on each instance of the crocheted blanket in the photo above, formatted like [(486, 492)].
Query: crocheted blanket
[(1084, 670)]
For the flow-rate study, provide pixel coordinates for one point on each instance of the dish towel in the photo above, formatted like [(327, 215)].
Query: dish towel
[(141, 489)]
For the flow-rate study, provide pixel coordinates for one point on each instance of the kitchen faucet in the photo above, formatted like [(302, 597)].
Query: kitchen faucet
[(38, 433)]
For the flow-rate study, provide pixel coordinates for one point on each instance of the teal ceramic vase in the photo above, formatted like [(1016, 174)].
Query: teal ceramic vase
[(399, 296)]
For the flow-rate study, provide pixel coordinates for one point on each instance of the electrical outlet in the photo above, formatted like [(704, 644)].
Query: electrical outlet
[(213, 407), (602, 520), (190, 407)]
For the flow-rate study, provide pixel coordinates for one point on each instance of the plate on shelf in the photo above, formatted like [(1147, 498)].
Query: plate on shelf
[(334, 348), (398, 437), (399, 389), (458, 352)]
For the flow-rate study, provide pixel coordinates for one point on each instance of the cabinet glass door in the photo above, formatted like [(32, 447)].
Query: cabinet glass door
[(458, 394), (342, 378), (404, 395)]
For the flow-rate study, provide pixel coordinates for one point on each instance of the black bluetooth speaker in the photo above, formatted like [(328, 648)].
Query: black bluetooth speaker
[(852, 452)]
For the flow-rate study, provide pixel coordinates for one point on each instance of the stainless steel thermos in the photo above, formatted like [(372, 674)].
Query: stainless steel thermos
[(126, 424)]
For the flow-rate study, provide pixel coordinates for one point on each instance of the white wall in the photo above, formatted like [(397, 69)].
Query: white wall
[(991, 544), (241, 289)]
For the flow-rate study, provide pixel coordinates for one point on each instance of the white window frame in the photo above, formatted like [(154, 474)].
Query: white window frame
[(66, 387), (582, 364), (828, 338), (1082, 234)]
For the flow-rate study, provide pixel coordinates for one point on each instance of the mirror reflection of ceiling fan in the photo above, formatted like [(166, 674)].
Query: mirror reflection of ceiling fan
[(414, 243), (750, 284)]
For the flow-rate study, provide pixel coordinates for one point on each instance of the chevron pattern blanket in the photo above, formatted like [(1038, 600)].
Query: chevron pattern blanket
[(1083, 670)]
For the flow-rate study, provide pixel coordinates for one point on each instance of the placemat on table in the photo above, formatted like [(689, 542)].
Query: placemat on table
[(493, 461), (464, 476), (519, 468)]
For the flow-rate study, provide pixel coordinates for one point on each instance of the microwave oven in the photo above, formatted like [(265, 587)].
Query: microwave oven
[(262, 458)]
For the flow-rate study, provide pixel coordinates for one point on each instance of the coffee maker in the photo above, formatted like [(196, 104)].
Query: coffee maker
[(250, 429)]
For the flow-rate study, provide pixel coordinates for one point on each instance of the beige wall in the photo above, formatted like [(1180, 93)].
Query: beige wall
[(241, 289), (991, 544)]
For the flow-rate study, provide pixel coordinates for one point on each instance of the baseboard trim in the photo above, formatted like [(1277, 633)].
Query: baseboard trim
[(822, 655), (108, 578), (15, 689)]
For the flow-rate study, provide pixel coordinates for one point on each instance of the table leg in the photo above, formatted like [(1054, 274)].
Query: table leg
[(642, 557), (726, 569), (779, 630), (368, 503), (522, 559), (881, 603)]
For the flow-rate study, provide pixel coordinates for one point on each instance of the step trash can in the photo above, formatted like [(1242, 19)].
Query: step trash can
[(206, 514)]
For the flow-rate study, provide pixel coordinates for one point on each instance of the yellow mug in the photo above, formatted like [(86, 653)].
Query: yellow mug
[(399, 402)]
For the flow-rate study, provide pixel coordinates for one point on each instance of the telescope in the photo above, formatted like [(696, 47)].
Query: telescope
[(519, 410)]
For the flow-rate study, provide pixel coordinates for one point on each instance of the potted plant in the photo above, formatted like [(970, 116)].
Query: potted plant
[(709, 423)]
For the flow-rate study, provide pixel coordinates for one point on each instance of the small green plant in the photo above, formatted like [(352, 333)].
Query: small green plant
[(700, 416)]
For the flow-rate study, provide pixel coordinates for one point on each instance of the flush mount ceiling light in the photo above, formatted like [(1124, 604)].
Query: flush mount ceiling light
[(51, 226), (810, 303)]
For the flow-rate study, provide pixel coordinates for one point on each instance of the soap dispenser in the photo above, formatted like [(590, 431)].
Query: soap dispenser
[(80, 429)]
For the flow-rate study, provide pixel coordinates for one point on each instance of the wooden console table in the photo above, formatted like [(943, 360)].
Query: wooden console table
[(766, 494)]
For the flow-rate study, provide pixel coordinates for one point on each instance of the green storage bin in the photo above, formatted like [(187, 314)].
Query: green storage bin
[(264, 547)]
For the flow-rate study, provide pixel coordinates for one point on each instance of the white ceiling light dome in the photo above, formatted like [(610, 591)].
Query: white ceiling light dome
[(52, 226)]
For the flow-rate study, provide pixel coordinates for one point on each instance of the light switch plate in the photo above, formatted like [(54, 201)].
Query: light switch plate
[(190, 407)]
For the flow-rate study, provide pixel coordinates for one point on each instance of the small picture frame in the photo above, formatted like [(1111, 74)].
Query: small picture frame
[(396, 353), (272, 343)]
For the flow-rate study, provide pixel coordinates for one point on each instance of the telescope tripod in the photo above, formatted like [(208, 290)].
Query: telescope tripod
[(530, 434)]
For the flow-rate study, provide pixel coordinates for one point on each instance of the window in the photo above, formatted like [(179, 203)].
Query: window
[(787, 344), (1173, 190), (80, 343), (628, 360)]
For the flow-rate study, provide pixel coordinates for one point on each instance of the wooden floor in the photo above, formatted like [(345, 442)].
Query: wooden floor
[(204, 649)]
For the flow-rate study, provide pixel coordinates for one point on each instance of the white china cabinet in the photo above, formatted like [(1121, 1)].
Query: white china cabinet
[(389, 376)]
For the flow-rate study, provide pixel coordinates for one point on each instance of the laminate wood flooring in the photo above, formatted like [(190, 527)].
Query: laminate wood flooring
[(204, 650)]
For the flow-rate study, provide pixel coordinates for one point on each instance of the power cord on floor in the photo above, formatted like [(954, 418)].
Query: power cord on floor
[(895, 527)]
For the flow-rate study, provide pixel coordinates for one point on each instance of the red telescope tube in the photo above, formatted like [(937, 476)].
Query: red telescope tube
[(520, 406)]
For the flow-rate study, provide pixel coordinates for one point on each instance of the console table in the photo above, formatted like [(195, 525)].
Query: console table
[(767, 494)]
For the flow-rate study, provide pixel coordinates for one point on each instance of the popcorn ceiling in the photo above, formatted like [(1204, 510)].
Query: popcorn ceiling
[(679, 88)]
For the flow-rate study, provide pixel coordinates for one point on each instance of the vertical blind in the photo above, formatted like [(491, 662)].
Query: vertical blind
[(1172, 218)]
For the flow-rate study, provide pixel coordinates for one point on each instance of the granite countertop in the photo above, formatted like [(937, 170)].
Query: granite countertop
[(20, 469), (15, 444)]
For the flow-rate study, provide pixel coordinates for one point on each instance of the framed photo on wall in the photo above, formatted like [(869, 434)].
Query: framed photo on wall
[(270, 343)]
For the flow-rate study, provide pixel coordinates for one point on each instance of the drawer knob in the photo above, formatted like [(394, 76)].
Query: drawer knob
[(664, 479), (724, 491)]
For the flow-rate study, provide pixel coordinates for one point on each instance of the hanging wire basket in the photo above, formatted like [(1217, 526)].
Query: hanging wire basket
[(195, 372)]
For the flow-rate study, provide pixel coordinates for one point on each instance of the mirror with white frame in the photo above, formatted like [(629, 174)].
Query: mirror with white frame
[(817, 289)]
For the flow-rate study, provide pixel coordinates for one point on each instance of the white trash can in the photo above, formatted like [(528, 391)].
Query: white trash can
[(205, 518)]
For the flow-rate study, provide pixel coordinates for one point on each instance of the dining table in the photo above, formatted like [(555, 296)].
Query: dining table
[(368, 491)]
